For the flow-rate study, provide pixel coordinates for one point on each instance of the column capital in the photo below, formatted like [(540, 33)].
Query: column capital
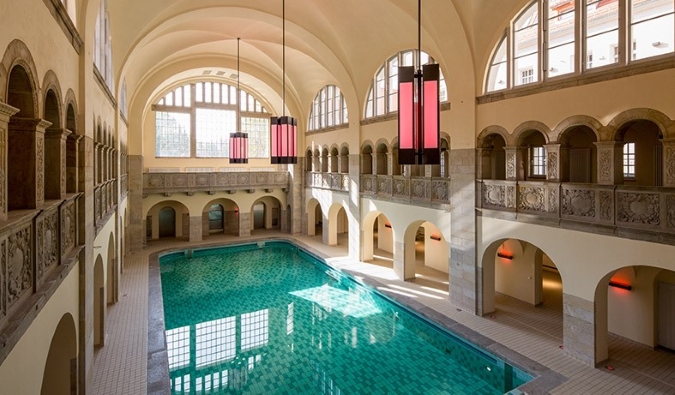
[(6, 111)]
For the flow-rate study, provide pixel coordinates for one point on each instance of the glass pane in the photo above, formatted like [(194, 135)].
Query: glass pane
[(179, 96), (650, 9), (525, 69), (379, 99), (497, 77), (600, 49), (213, 132), (199, 94), (186, 96), (407, 59), (169, 99), (529, 17), (653, 37), (251, 102), (216, 93), (242, 101), (500, 54), (258, 136), (561, 60), (172, 134), (208, 90), (526, 41), (601, 16), (224, 94)]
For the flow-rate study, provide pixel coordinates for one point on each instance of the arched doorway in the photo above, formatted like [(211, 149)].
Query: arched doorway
[(314, 218), (220, 216), (579, 151), (378, 240), (492, 158), (266, 213), (112, 279), (426, 255), (167, 222), (99, 302), (338, 226), (60, 373), (635, 321), (216, 218), (522, 284), (642, 153)]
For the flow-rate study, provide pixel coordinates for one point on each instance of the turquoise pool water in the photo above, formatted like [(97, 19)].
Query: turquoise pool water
[(274, 320)]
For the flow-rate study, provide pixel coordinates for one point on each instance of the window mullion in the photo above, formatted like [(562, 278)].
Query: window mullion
[(543, 38), (624, 32), (193, 125)]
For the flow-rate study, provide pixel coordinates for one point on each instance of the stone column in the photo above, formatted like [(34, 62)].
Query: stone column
[(373, 165), (354, 207), (72, 143), (557, 162), (55, 160), (136, 227), (515, 163), (483, 163), (5, 113), (610, 162), (668, 162), (244, 224), (462, 260), (579, 328), (26, 166), (195, 228)]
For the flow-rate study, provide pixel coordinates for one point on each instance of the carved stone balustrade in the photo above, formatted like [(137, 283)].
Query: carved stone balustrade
[(33, 245), (167, 183), (629, 211), (418, 191), (105, 196), (338, 182)]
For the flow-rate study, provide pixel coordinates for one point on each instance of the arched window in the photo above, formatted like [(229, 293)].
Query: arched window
[(213, 107), (123, 99), (383, 94), (103, 45), (329, 109), (544, 45)]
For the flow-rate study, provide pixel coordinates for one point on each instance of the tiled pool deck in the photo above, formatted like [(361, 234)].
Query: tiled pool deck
[(527, 336)]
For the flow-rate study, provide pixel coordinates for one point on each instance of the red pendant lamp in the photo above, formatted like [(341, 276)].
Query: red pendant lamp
[(238, 140), (419, 109)]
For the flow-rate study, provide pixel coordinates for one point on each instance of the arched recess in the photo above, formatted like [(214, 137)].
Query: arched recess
[(308, 160), (338, 224), (492, 156), (378, 239), (333, 161), (642, 152), (344, 159), (381, 153), (531, 160), (426, 253), (324, 160), (314, 218), (578, 154), (18, 80), (220, 216), (60, 372), (635, 303), (175, 220), (112, 276), (24, 160), (519, 279), (266, 213), (99, 302), (366, 159), (658, 118), (53, 147)]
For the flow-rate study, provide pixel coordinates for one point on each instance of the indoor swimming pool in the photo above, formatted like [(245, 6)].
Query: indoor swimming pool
[(268, 318)]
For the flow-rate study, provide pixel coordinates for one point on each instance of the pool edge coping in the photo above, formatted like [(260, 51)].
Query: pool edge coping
[(159, 382)]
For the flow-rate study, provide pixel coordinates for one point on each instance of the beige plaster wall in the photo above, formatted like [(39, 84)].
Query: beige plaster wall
[(22, 371)]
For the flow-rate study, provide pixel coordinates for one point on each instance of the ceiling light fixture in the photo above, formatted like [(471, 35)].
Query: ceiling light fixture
[(419, 109), (238, 140), (283, 130)]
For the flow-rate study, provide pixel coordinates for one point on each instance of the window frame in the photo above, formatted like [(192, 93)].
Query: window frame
[(626, 44), (328, 110), (195, 97), (628, 153), (537, 161)]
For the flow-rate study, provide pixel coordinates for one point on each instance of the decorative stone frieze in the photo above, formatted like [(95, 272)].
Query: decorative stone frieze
[(638, 208), (531, 198), (494, 196), (47, 241), (610, 162), (6, 112), (578, 202), (668, 162), (19, 265)]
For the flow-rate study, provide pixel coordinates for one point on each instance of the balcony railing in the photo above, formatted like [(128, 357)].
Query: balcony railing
[(33, 244), (629, 207), (338, 182), (168, 183), (105, 199), (421, 191)]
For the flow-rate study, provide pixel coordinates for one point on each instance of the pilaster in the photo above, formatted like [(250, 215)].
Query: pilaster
[(26, 166), (668, 162), (483, 163), (515, 163), (6, 112), (244, 224), (55, 158), (610, 162), (556, 162), (136, 228), (579, 328), (195, 228)]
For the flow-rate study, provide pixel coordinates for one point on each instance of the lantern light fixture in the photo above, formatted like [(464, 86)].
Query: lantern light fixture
[(419, 109), (283, 130), (238, 140)]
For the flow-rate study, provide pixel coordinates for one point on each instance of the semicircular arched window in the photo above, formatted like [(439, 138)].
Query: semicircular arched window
[(383, 93), (206, 113), (329, 109), (544, 45)]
